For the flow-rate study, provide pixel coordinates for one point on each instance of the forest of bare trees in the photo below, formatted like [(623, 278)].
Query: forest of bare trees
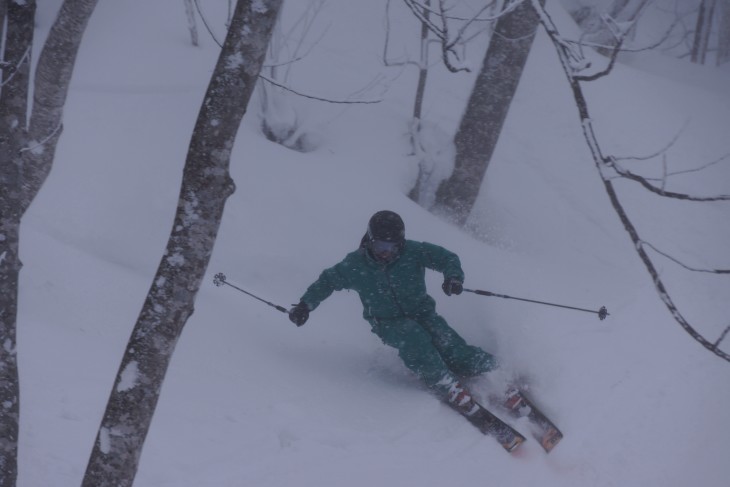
[(31, 124)]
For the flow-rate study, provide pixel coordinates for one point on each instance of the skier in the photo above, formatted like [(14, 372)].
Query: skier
[(388, 272)]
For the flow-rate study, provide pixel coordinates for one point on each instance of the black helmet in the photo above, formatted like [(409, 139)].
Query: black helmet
[(386, 235), (386, 226)]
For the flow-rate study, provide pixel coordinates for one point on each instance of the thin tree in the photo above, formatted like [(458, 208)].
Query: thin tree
[(422, 65), (443, 24), (701, 44), (723, 41), (27, 149), (13, 103), (205, 188), (192, 25), (486, 110)]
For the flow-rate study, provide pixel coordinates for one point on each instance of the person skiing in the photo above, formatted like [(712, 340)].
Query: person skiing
[(388, 273)]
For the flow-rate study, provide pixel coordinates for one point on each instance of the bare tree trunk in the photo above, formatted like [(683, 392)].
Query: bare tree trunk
[(3, 10), (26, 155), (418, 102), (13, 104), (52, 79), (723, 42), (190, 12), (708, 30), (486, 111), (206, 186), (423, 64), (702, 31)]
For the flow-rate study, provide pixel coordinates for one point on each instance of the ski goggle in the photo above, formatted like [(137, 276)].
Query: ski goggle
[(383, 247)]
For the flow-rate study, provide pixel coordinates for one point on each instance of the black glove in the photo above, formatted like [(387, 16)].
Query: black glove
[(452, 285), (299, 314)]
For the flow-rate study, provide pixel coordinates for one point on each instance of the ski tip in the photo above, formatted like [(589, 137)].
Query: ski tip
[(520, 452), (550, 439), (514, 444)]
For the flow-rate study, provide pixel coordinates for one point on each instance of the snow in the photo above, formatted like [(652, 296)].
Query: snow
[(249, 399), (104, 440), (128, 378)]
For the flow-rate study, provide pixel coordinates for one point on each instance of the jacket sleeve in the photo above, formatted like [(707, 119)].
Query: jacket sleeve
[(329, 281), (441, 260)]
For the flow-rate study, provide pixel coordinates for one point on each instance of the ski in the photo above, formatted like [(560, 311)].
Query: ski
[(544, 430), (491, 425)]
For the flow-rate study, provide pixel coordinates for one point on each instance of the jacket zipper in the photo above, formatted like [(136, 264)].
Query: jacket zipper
[(392, 291)]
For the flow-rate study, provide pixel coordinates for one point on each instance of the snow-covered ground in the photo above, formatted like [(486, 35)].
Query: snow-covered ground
[(249, 399)]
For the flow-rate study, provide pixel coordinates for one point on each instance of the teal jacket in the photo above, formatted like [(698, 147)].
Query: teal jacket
[(393, 290)]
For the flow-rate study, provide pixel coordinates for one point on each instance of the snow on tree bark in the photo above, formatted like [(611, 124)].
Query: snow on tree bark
[(486, 111), (206, 186)]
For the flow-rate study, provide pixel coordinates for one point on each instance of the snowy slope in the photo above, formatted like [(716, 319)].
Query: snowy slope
[(251, 400)]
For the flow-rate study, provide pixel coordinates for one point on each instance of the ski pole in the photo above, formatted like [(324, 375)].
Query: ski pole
[(220, 279), (602, 313)]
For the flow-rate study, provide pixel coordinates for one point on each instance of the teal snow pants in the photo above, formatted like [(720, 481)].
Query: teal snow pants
[(432, 349)]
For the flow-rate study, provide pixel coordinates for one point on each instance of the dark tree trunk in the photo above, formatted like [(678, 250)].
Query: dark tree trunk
[(52, 79), (25, 153), (3, 10), (486, 111), (206, 186), (13, 106), (723, 42), (702, 31)]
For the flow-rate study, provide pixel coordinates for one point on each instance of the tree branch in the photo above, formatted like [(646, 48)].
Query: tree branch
[(207, 27), (678, 262), (312, 97), (660, 191), (602, 163)]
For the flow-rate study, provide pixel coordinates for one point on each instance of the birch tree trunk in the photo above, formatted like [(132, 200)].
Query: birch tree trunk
[(486, 111), (205, 187)]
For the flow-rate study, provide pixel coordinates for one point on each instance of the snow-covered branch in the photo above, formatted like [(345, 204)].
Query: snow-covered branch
[(605, 166)]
